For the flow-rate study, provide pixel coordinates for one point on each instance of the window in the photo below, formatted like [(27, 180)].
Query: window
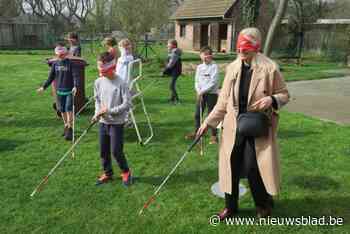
[(182, 30)]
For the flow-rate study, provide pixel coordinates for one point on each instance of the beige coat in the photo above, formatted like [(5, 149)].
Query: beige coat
[(266, 81)]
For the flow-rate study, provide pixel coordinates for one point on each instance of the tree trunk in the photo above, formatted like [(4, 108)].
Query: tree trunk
[(274, 26)]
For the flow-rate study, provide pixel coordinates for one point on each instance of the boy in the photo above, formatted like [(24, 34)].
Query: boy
[(74, 44), (109, 43), (173, 69), (206, 84), (125, 58), (66, 76), (112, 105)]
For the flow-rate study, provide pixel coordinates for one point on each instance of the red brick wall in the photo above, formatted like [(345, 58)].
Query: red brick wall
[(185, 43)]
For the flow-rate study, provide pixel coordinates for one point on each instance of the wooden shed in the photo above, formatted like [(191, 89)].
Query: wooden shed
[(201, 23), (23, 35)]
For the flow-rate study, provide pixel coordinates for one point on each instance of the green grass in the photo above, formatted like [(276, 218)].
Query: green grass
[(312, 67), (314, 162)]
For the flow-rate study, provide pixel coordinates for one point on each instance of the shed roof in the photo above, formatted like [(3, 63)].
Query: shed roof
[(196, 9)]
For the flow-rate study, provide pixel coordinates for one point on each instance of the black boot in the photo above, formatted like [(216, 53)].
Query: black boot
[(69, 134)]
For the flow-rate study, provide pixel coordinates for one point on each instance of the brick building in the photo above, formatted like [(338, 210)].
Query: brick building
[(200, 23)]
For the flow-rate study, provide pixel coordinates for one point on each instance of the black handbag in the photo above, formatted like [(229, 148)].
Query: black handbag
[(253, 124)]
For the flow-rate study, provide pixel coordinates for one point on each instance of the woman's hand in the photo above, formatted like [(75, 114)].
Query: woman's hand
[(262, 104), (203, 129)]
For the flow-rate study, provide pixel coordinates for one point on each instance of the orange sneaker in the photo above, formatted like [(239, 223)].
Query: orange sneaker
[(104, 179), (127, 178)]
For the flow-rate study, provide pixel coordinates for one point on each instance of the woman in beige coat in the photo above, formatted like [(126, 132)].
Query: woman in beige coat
[(253, 83)]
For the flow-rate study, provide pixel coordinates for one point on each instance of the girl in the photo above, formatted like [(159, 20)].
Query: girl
[(126, 57)]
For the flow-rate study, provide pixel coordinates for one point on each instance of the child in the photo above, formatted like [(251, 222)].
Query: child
[(74, 44), (173, 69), (112, 104), (125, 58), (206, 84), (109, 43), (66, 76)]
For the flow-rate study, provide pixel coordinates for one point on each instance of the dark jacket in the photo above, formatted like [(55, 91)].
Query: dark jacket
[(174, 66), (66, 74)]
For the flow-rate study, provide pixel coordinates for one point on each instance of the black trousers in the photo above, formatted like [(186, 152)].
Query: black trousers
[(244, 164), (208, 101), (173, 93), (112, 141)]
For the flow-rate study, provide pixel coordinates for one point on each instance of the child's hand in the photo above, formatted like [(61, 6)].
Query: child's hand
[(95, 118), (103, 110), (40, 90), (74, 91)]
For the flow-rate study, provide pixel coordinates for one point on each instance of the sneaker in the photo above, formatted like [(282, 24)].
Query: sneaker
[(213, 140), (69, 134), (104, 178), (127, 178), (190, 136)]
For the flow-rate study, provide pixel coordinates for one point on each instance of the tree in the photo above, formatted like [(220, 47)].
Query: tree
[(250, 12), (301, 13), (77, 10), (137, 17), (274, 26), (62, 15), (10, 8)]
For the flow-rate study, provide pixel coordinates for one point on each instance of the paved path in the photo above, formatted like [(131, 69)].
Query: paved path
[(327, 99)]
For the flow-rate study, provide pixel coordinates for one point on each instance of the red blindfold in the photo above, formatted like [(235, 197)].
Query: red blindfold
[(247, 43), (106, 68)]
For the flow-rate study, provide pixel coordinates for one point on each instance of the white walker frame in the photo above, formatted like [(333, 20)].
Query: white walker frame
[(136, 92)]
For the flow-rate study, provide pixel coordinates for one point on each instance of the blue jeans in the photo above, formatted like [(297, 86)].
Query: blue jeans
[(174, 96), (65, 103)]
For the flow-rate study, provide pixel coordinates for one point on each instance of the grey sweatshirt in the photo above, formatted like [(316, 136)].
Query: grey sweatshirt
[(116, 96)]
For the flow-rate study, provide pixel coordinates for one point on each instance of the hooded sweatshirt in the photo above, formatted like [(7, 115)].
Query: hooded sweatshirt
[(174, 66)]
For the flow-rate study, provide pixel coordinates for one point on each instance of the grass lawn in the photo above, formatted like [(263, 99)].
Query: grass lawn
[(312, 67), (314, 161)]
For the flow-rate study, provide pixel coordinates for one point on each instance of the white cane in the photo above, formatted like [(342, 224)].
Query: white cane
[(201, 121), (73, 127)]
